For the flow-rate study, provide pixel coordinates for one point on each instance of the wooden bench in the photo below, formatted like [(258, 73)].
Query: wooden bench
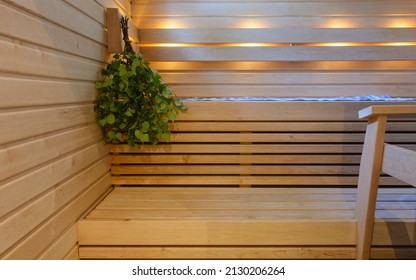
[(251, 180)]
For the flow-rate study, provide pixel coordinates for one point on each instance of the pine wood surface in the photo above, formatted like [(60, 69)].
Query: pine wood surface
[(132, 219), (315, 164), (274, 35), (55, 166), (272, 8), (276, 49), (215, 143), (214, 252)]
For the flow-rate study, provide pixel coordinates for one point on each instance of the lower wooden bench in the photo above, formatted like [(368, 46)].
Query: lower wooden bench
[(239, 223), (252, 180)]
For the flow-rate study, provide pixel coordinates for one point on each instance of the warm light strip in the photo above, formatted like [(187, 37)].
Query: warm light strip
[(255, 45), (402, 24), (331, 44), (340, 24), (258, 23), (347, 44), (400, 44), (334, 45), (167, 45)]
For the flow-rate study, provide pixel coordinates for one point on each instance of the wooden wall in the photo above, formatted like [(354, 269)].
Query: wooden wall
[(54, 165), (281, 48)]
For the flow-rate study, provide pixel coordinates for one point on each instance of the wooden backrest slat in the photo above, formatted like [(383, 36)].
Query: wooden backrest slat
[(214, 159), (259, 144), (232, 148), (284, 137), (264, 126), (235, 169)]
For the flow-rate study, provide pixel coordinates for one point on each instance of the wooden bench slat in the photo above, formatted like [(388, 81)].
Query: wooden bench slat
[(186, 204), (265, 197), (223, 219), (183, 160), (284, 137), (93, 232), (166, 149), (231, 180), (190, 149), (251, 252), (202, 214), (251, 214), (234, 169), (213, 252), (265, 126), (137, 192), (282, 180)]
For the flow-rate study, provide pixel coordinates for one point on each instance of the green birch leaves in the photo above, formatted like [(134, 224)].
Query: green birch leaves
[(134, 105)]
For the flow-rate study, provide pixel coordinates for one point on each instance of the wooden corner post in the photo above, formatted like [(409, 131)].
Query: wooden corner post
[(115, 34)]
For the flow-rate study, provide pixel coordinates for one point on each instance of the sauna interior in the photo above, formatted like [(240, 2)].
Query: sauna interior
[(265, 162)]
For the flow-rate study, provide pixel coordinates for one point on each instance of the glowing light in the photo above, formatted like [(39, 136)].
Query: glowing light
[(338, 44), (399, 44), (360, 44), (251, 24), (402, 24), (339, 24), (170, 45), (211, 45), (252, 45), (172, 24), (167, 45)]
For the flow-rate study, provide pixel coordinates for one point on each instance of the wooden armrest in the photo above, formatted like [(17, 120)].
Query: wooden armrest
[(375, 110)]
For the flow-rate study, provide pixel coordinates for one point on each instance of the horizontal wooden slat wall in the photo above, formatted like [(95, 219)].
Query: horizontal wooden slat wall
[(258, 144), (55, 166), (314, 48)]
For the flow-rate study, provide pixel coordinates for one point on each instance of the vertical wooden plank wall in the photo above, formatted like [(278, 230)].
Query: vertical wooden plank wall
[(54, 165), (281, 48)]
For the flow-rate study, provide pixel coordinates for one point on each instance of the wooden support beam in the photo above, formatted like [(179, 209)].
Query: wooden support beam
[(368, 181)]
